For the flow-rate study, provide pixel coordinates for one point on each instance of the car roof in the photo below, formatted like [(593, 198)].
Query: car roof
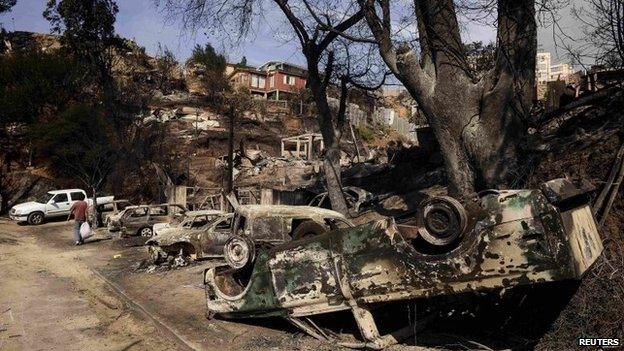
[(287, 211), (65, 191)]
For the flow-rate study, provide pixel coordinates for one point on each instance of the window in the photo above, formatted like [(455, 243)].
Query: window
[(199, 221), (139, 212), (257, 81), (289, 80), (158, 211), (240, 225), (225, 223), (60, 198), (77, 195), (272, 81), (177, 209)]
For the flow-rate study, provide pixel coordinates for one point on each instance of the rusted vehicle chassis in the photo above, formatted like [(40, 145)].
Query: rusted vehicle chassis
[(521, 237)]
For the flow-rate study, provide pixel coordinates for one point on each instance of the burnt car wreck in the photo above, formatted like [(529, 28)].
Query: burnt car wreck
[(509, 238), (233, 236)]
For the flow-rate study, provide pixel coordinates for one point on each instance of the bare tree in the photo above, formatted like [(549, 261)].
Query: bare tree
[(478, 122), (603, 22), (318, 28)]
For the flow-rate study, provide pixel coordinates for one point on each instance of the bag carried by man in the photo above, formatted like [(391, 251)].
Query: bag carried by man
[(85, 231)]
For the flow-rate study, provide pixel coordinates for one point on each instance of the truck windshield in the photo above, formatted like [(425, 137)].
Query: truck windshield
[(45, 198)]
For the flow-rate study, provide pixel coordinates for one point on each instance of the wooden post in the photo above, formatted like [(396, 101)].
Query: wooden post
[(310, 146), (298, 148)]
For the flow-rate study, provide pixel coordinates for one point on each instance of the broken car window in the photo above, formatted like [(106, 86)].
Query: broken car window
[(158, 211), (199, 222), (225, 223), (139, 212)]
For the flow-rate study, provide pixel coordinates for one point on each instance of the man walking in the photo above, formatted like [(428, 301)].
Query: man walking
[(79, 211)]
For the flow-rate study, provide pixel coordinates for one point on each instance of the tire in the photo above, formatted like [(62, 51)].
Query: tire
[(443, 220), (239, 252), (308, 229), (36, 218), (146, 232)]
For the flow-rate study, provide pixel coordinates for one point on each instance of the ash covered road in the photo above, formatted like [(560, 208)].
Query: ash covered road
[(56, 296)]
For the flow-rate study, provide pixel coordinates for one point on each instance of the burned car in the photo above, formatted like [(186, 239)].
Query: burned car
[(138, 220), (509, 238), (189, 219), (236, 235), (110, 211), (199, 234)]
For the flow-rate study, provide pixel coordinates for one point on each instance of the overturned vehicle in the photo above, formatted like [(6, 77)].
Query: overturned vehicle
[(509, 238)]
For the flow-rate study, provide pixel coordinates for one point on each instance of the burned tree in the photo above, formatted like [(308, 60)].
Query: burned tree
[(603, 22), (478, 122), (317, 26)]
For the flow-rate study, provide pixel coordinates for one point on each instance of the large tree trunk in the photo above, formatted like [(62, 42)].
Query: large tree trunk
[(332, 133), (477, 123)]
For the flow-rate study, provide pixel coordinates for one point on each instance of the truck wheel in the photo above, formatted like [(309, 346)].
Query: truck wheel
[(308, 229), (145, 231), (35, 218)]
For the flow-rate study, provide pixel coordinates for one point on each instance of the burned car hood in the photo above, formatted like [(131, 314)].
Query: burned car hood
[(169, 235)]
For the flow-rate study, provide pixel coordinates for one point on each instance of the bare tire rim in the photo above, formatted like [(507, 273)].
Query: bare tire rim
[(443, 220), (237, 253), (146, 232)]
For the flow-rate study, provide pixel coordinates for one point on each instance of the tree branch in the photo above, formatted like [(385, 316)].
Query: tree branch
[(294, 21)]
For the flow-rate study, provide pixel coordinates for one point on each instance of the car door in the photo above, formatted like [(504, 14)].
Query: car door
[(158, 214), (59, 205), (216, 235), (135, 219)]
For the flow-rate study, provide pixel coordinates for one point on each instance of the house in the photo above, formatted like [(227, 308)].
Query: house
[(275, 80)]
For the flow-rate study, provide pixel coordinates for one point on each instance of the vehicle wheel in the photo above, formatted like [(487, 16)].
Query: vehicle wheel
[(35, 218), (443, 220), (145, 231), (239, 252), (308, 229)]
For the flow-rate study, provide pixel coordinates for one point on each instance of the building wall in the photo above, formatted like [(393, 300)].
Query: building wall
[(560, 72), (275, 81), (542, 67)]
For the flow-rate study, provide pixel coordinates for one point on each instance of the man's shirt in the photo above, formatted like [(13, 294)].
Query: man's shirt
[(79, 210)]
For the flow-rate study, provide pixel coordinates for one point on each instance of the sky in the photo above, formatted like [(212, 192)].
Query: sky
[(142, 21)]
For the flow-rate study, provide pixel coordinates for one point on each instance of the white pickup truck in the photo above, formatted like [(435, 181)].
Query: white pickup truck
[(54, 203)]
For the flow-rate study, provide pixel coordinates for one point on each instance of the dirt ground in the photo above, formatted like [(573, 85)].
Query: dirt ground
[(56, 296)]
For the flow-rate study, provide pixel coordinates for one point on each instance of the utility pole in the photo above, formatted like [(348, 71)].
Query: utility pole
[(230, 175)]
